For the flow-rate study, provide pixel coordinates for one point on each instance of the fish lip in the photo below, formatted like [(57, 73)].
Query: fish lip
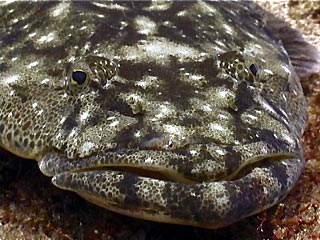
[(53, 164), (140, 172)]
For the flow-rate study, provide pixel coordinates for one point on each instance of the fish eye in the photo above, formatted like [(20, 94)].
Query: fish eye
[(254, 69), (79, 77), (88, 70)]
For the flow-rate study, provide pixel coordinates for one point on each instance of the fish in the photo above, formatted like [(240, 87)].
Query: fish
[(180, 112)]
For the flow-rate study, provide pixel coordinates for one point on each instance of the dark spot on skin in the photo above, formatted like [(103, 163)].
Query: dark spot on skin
[(16, 133), (1, 128), (127, 188), (25, 142), (244, 98), (131, 36), (26, 125), (108, 100), (184, 166), (183, 206), (39, 144), (38, 133), (194, 203), (17, 144), (232, 160), (169, 75), (248, 195), (94, 119), (68, 179), (32, 144), (208, 68), (279, 172), (268, 136), (9, 136), (3, 67), (192, 121), (243, 132), (23, 92), (184, 26), (70, 121)]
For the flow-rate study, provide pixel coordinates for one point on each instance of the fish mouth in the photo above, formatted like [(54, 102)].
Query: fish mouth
[(146, 196), (152, 191)]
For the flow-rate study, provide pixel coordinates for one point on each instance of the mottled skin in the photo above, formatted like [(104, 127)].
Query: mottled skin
[(191, 112)]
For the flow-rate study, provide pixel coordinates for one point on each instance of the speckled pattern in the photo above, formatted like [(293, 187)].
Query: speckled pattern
[(191, 112)]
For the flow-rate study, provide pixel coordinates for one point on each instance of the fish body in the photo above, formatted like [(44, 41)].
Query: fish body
[(180, 112)]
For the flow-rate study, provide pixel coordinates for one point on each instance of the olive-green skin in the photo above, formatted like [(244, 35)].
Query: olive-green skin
[(184, 112)]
